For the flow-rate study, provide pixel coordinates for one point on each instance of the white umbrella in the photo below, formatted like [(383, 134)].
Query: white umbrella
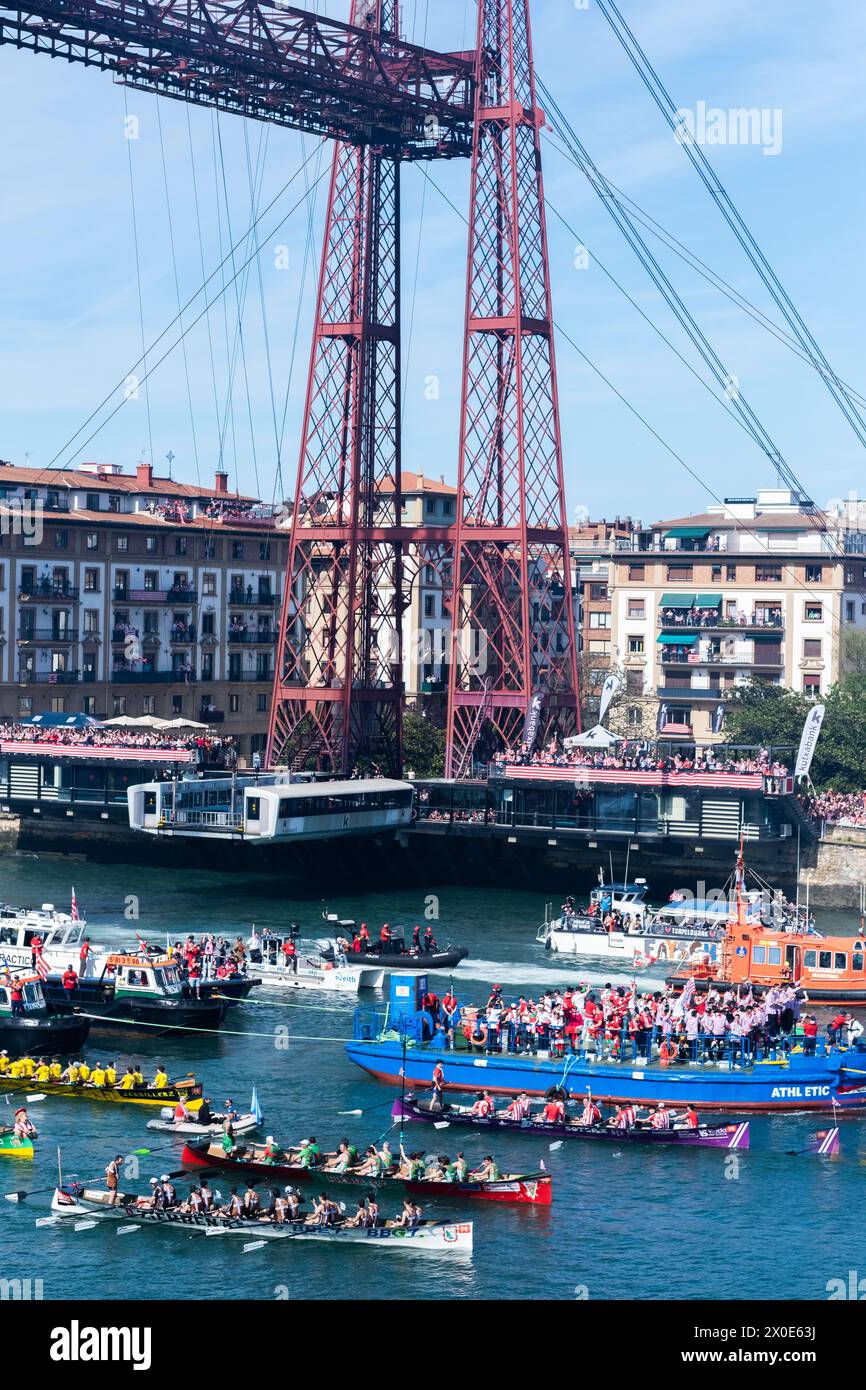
[(140, 721), (596, 737), (182, 724)]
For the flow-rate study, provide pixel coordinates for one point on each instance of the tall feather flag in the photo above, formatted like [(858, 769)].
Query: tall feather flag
[(74, 913), (255, 1108)]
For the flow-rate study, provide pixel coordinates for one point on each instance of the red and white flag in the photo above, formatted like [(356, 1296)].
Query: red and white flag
[(74, 914), (40, 962), (688, 992)]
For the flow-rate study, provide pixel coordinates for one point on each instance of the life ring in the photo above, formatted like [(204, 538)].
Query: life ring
[(474, 1039)]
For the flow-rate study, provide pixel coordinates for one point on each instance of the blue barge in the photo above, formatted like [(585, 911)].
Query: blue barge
[(396, 1045)]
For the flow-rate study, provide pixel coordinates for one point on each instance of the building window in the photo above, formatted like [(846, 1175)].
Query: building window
[(811, 646), (234, 704), (730, 573), (849, 610), (716, 573), (88, 705), (151, 581), (208, 548), (177, 704), (91, 620), (148, 705), (113, 502), (264, 550), (118, 705), (261, 703), (636, 608), (92, 501), (635, 646), (598, 591), (151, 544), (814, 612), (151, 624), (61, 540), (679, 574), (599, 620), (208, 584), (814, 574), (599, 647), (121, 543), (811, 685), (634, 682), (92, 541), (237, 550), (636, 571), (429, 605), (768, 574), (91, 581), (207, 666), (25, 704), (208, 624), (180, 545), (633, 716), (58, 704)]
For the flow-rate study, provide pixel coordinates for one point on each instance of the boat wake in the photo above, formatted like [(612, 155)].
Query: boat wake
[(552, 974)]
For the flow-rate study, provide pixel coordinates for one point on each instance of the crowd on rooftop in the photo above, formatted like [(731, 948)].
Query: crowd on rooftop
[(208, 747)]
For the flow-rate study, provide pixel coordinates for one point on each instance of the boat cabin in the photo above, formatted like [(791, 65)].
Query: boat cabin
[(626, 898), (34, 999), (19, 926), (142, 975)]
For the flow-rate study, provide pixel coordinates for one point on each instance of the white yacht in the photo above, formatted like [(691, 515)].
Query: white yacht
[(674, 933), (268, 959), (59, 932)]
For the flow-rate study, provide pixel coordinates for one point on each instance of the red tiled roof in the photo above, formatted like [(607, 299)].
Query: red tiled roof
[(74, 479)]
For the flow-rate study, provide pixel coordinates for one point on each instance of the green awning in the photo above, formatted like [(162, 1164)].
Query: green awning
[(688, 533), (677, 639), (677, 601), (708, 601)]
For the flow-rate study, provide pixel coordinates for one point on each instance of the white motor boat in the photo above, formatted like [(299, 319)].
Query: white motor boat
[(307, 969), (59, 932)]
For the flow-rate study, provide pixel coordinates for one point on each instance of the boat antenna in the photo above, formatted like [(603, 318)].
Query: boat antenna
[(59, 1168), (627, 853), (403, 1086)]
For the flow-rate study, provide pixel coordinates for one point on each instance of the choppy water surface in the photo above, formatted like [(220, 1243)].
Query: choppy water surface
[(628, 1223)]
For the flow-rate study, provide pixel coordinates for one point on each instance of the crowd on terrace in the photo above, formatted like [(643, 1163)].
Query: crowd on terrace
[(838, 808)]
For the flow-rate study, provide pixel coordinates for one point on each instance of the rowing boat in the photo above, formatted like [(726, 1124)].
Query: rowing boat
[(242, 1124), (452, 1237), (13, 1147), (533, 1188), (185, 1088), (728, 1136)]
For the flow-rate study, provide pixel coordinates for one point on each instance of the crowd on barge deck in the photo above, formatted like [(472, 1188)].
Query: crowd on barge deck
[(642, 756), (208, 747), (616, 1022)]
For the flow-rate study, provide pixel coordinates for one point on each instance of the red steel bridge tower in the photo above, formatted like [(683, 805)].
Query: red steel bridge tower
[(338, 684), (513, 669)]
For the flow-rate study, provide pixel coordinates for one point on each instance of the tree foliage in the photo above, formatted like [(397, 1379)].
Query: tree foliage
[(771, 715), (423, 746)]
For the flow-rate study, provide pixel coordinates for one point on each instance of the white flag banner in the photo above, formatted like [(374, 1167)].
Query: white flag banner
[(608, 690), (808, 739)]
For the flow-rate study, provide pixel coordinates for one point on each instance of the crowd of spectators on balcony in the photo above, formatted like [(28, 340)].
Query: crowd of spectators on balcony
[(230, 509), (209, 748), (714, 617), (646, 757)]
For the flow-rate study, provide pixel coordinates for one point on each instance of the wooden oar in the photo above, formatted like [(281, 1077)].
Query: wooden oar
[(29, 1100)]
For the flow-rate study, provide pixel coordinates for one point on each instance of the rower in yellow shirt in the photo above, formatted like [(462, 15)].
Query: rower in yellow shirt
[(16, 1068), (83, 1071), (128, 1080), (4, 1062), (42, 1073), (97, 1076), (111, 1075), (71, 1074), (55, 1069), (138, 1074), (28, 1066), (160, 1080)]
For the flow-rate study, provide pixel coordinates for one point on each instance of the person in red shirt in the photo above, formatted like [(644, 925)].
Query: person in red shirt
[(810, 1034), (290, 952), (69, 980), (553, 1112), (84, 954)]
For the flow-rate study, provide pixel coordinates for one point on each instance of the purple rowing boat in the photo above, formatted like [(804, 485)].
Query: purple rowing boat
[(703, 1136)]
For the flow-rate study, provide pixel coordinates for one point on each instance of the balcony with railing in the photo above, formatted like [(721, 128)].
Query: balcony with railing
[(48, 677), (182, 633), (251, 637), (48, 634), (51, 589), (249, 598), (674, 620), (123, 594), (772, 656), (246, 675), (126, 675)]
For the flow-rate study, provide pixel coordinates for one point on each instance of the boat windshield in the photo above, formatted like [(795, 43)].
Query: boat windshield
[(168, 979), (33, 996)]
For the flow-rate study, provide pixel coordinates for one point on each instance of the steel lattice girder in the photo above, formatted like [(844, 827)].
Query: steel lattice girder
[(512, 615), (338, 687), (354, 82)]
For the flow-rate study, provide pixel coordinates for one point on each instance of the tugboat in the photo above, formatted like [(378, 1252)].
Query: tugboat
[(392, 953), (136, 988), (37, 1028)]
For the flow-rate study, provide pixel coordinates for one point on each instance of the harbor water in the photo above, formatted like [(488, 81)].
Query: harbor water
[(624, 1223)]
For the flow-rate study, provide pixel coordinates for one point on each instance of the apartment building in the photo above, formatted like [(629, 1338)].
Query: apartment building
[(132, 594), (591, 546), (757, 589)]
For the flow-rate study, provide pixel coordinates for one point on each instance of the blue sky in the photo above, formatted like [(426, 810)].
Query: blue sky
[(70, 305)]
